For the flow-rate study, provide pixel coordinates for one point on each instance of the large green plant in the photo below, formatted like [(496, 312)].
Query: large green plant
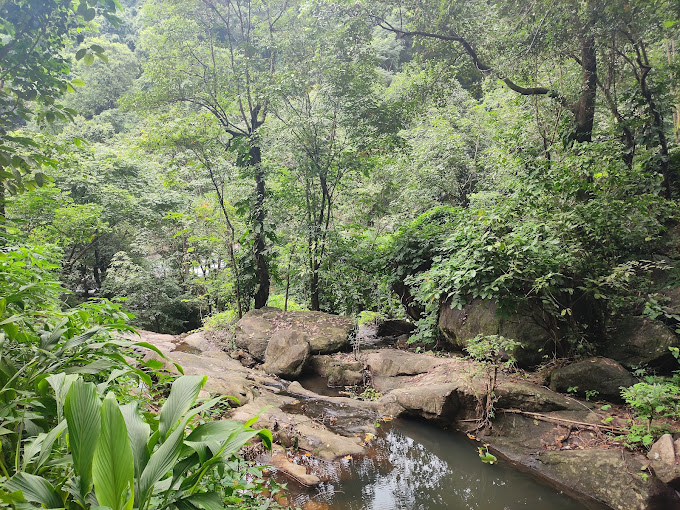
[(103, 454)]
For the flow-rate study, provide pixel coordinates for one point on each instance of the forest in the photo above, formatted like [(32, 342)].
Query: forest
[(499, 177)]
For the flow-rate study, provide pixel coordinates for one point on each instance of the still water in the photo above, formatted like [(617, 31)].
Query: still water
[(413, 465)]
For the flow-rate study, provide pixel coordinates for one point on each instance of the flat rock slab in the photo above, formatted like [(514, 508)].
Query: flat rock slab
[(298, 430)]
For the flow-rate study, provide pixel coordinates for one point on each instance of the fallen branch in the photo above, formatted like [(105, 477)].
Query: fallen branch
[(564, 421)]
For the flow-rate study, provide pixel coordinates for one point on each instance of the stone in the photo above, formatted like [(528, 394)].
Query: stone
[(665, 460), (530, 397), (480, 317), (253, 330), (438, 402), (286, 354), (198, 341), (327, 333), (226, 376), (603, 375), (395, 327), (392, 363), (611, 476), (639, 341), (280, 461)]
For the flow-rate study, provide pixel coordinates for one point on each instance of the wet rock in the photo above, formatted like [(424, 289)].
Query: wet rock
[(298, 430), (639, 341), (327, 333), (280, 461), (438, 402), (392, 363), (665, 458), (603, 375), (395, 327), (530, 397), (612, 476), (286, 353), (480, 318), (226, 376)]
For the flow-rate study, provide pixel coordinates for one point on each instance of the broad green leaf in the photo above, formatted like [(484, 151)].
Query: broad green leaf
[(183, 395), (113, 465), (138, 433), (82, 411), (160, 464), (204, 500), (61, 384), (41, 447), (35, 489)]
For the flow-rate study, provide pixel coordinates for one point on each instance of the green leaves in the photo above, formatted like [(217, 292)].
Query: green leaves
[(184, 393), (35, 489), (113, 466), (82, 411)]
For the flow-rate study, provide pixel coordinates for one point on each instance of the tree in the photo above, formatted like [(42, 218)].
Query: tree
[(330, 121), (607, 41), (34, 73), (221, 56)]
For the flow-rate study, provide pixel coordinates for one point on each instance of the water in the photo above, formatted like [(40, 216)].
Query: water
[(413, 465)]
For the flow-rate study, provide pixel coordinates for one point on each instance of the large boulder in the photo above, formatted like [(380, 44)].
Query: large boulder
[(286, 354), (665, 458), (480, 317), (639, 341), (603, 375), (326, 333), (609, 475)]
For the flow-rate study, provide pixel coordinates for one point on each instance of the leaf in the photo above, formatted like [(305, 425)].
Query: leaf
[(35, 489), (160, 463), (77, 81), (81, 53), (84, 422), (183, 395), (113, 465), (138, 433), (88, 59)]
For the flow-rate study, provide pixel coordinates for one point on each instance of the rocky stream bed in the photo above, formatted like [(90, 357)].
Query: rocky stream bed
[(548, 436)]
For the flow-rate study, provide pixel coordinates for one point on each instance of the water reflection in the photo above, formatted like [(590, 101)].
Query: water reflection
[(417, 466)]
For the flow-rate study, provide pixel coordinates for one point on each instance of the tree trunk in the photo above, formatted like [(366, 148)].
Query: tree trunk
[(259, 243), (314, 289), (584, 108)]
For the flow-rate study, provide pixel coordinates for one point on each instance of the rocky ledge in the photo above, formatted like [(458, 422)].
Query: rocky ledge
[(560, 438)]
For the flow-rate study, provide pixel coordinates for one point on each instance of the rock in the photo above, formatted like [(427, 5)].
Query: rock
[(530, 397), (639, 341), (438, 402), (226, 376), (392, 363), (612, 476), (327, 333), (298, 430), (480, 318), (286, 354), (280, 461), (198, 341), (253, 330), (395, 327), (665, 460), (603, 375)]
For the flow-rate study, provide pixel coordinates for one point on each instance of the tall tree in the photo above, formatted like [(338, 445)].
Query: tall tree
[(221, 56)]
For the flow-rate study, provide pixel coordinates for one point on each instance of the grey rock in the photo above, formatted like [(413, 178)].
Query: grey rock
[(286, 354), (603, 375), (639, 341)]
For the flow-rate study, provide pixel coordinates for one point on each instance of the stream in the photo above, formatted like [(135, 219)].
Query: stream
[(413, 464)]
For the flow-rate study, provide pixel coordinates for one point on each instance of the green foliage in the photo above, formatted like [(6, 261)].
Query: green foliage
[(133, 459)]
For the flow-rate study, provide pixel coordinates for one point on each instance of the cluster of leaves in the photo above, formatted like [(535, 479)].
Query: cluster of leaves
[(559, 243)]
